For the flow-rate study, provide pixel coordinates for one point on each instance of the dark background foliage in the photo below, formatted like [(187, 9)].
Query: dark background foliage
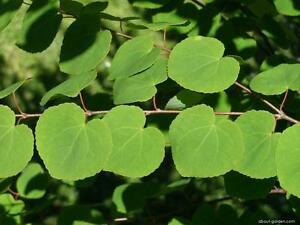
[(251, 30)]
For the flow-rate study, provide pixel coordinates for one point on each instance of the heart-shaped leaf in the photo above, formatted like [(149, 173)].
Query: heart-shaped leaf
[(133, 57), (16, 144), (137, 152), (277, 80), (197, 64), (260, 143), (70, 148), (203, 146), (141, 87), (287, 160), (71, 87)]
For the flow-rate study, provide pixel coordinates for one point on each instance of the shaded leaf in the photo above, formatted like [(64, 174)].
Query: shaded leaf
[(40, 15), (8, 9), (32, 182), (71, 87)]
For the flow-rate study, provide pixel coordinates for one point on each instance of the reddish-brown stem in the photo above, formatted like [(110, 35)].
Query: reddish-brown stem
[(154, 103), (277, 190), (284, 100), (87, 112), (277, 110), (16, 195), (17, 104)]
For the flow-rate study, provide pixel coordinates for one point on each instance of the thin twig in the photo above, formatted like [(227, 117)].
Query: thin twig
[(155, 104), (16, 195), (17, 104), (165, 38), (284, 100), (277, 110), (87, 112), (277, 190), (130, 37)]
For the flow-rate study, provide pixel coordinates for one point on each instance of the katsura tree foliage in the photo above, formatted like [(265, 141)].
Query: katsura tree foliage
[(178, 112)]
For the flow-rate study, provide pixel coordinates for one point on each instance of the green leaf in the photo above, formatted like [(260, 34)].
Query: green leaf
[(197, 64), (133, 197), (84, 45), (16, 144), (277, 80), (288, 7), (260, 142), (156, 26), (137, 152), (12, 88), (287, 160), (133, 57), (11, 207), (70, 148), (149, 4), (71, 87), (240, 186), (178, 221), (40, 26), (8, 9), (203, 146), (141, 87), (32, 182)]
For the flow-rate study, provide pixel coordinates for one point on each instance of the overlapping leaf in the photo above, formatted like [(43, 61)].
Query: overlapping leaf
[(277, 80), (8, 9), (260, 144), (136, 152), (71, 87), (140, 87), (203, 146), (16, 144), (84, 45), (70, 148), (287, 160), (197, 64), (40, 25), (133, 57), (32, 182)]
